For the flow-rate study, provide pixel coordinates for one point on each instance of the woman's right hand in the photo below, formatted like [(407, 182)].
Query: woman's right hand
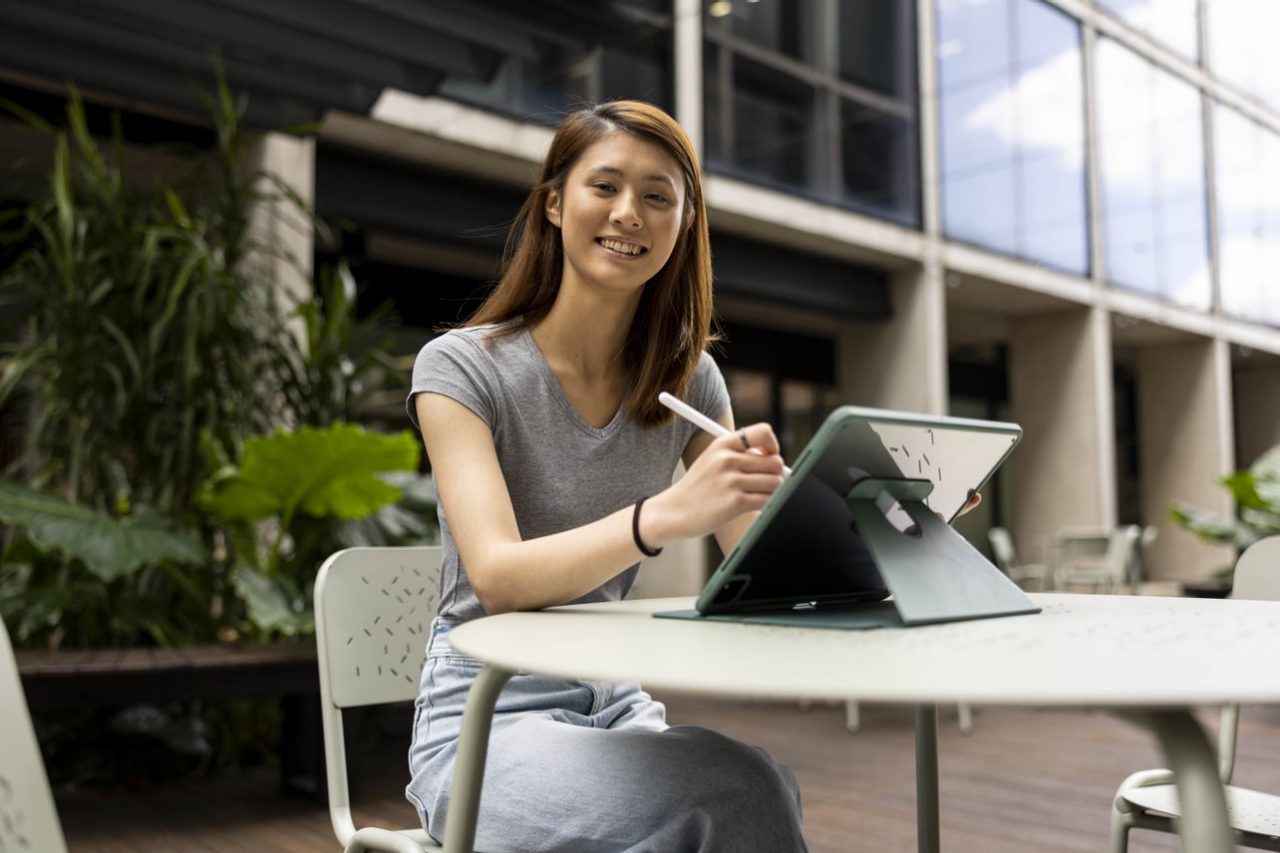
[(727, 479)]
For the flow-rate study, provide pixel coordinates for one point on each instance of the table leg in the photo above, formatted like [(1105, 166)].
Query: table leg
[(468, 767), (928, 838), (1204, 827)]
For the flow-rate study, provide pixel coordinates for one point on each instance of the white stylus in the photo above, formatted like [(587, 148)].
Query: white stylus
[(698, 419)]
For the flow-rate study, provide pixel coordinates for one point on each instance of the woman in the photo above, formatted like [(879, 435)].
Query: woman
[(553, 461)]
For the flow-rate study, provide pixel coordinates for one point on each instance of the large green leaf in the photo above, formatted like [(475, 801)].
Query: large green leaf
[(1244, 489), (109, 547), (411, 521), (269, 606), (1212, 527), (329, 472)]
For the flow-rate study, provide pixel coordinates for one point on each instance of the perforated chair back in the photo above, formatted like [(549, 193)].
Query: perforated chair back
[(28, 818), (374, 608)]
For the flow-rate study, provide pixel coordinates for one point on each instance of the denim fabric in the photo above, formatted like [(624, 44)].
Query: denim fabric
[(588, 767)]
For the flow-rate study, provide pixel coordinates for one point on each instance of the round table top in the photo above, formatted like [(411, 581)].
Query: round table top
[(1101, 650)]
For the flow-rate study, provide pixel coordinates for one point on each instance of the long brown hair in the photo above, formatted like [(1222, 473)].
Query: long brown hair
[(672, 325)]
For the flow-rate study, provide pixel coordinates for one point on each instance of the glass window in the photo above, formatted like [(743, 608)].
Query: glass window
[(785, 27), (773, 124), (1172, 22), (639, 69), (1243, 37), (879, 163), (1247, 176), (1151, 163), (795, 407), (569, 71), (1011, 115), (816, 98), (871, 36)]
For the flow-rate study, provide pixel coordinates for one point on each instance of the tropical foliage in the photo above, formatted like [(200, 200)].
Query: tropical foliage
[(190, 458), (1256, 492)]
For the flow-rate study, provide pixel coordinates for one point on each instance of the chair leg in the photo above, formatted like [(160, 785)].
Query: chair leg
[(1121, 823), (966, 718), (852, 718)]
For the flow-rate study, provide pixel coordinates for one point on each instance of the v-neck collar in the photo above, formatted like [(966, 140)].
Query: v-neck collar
[(557, 391)]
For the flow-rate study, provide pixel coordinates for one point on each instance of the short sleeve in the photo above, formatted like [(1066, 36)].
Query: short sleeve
[(708, 392), (458, 367)]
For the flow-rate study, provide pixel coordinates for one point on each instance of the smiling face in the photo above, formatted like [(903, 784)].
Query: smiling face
[(620, 214)]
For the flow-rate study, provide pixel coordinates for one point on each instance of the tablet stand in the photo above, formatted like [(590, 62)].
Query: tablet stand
[(934, 574)]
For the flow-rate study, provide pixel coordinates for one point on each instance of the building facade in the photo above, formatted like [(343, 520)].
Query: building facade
[(1058, 212)]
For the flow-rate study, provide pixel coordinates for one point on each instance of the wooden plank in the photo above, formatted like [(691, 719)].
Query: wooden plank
[(109, 677), (1024, 780)]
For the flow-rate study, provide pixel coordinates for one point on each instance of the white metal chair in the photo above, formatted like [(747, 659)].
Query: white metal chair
[(1109, 573), (1006, 558), (1141, 568), (1148, 799), (374, 608), (28, 817)]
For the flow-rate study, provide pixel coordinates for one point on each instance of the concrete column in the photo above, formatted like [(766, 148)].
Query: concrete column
[(1063, 472), (284, 231), (902, 363), (1185, 444), (1257, 412)]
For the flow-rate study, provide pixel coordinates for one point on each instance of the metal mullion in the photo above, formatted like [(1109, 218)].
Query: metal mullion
[(688, 69), (814, 77), (728, 128), (1016, 160), (1216, 295), (827, 38), (1093, 164), (1211, 204)]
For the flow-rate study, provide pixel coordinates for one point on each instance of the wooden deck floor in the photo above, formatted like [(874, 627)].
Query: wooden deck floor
[(1022, 781)]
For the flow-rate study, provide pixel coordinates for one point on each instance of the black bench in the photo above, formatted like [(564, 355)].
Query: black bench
[(56, 680)]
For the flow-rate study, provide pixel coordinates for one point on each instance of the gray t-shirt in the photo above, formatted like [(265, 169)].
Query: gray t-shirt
[(561, 472)]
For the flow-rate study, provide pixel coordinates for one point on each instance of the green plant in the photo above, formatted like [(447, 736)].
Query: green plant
[(63, 537), (279, 504), (152, 355), (1256, 492), (145, 330), (327, 371)]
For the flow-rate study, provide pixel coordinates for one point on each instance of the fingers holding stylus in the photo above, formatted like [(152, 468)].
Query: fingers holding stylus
[(729, 477), (752, 466), (760, 438)]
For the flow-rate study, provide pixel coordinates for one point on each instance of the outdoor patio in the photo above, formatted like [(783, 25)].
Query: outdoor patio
[(1023, 780)]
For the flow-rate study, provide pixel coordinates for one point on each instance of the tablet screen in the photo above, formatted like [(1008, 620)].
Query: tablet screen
[(805, 548), (954, 459)]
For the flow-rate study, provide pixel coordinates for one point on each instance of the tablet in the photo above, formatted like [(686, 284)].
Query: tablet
[(804, 551)]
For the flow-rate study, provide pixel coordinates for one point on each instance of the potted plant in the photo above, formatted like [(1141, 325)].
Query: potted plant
[(1256, 491)]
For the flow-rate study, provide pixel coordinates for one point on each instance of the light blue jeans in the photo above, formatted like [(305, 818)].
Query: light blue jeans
[(587, 767)]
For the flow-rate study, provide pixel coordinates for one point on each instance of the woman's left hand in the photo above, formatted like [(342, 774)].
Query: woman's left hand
[(975, 498)]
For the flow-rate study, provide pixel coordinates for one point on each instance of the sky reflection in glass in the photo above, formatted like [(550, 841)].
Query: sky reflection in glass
[(1151, 162), (1244, 36), (1011, 114), (1170, 22), (1248, 192)]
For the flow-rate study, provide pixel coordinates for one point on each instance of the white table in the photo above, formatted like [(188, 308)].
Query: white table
[(1150, 659)]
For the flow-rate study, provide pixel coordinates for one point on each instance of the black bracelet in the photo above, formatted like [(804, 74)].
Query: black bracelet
[(635, 532)]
